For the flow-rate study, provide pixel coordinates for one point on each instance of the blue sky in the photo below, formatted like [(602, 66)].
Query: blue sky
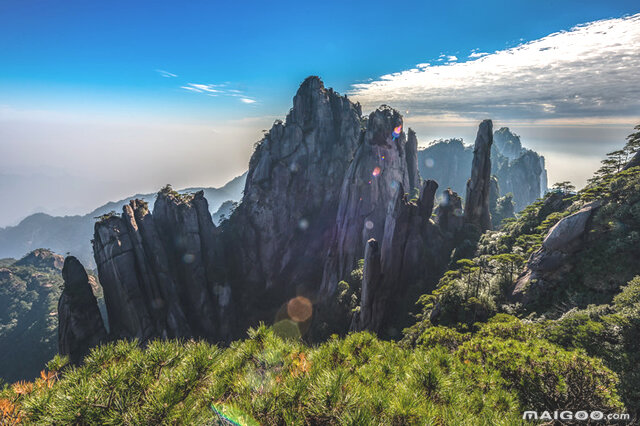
[(79, 54), (113, 98)]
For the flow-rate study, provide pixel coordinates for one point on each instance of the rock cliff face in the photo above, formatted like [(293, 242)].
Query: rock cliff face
[(410, 239), (507, 143), (476, 208), (81, 326), (449, 214), (379, 173), (281, 229), (325, 188), (158, 271)]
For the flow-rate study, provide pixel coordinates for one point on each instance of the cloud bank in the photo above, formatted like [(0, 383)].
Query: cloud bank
[(591, 71)]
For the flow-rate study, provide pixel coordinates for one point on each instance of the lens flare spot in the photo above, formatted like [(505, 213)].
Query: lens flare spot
[(376, 172), (303, 224), (429, 162), (369, 225), (299, 309), (396, 132), (188, 258)]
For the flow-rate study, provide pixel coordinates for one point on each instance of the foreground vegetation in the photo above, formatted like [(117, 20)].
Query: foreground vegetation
[(485, 379)]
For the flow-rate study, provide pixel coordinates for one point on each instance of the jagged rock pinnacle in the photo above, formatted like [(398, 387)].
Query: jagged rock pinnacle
[(476, 209)]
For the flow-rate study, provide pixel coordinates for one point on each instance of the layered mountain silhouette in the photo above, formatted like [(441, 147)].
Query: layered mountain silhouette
[(72, 234), (519, 171)]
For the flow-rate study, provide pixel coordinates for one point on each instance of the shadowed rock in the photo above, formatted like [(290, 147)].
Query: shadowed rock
[(188, 234), (371, 279), (449, 215), (323, 187), (279, 234), (476, 209), (81, 326), (408, 238)]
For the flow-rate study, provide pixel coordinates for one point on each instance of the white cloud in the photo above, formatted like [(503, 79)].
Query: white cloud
[(166, 74), (218, 89), (452, 58), (591, 70), (191, 89), (210, 88), (476, 54)]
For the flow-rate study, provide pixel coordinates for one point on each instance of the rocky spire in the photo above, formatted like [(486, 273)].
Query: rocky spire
[(412, 162), (407, 237), (476, 209), (81, 326), (378, 173), (371, 279), (281, 228), (188, 235), (161, 273)]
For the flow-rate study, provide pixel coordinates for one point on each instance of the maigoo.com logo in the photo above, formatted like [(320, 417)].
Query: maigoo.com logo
[(573, 415)]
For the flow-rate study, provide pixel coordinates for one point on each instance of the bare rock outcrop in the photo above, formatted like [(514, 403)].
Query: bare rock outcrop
[(546, 266), (189, 237), (476, 209), (81, 326), (410, 240), (449, 214), (279, 233), (381, 169), (159, 271), (371, 280)]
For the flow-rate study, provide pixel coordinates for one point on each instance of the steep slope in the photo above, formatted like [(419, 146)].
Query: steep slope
[(288, 211), (568, 264), (29, 291)]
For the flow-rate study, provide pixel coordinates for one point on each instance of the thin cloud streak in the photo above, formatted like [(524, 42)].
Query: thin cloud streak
[(166, 74), (218, 89), (591, 70)]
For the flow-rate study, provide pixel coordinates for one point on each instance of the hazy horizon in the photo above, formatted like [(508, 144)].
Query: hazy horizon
[(90, 115)]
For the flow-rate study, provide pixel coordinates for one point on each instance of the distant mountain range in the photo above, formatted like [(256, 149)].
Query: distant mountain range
[(72, 234), (519, 171)]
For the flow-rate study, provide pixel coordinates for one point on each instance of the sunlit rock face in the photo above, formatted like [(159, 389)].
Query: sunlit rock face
[(547, 266), (278, 235), (382, 169), (81, 326)]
